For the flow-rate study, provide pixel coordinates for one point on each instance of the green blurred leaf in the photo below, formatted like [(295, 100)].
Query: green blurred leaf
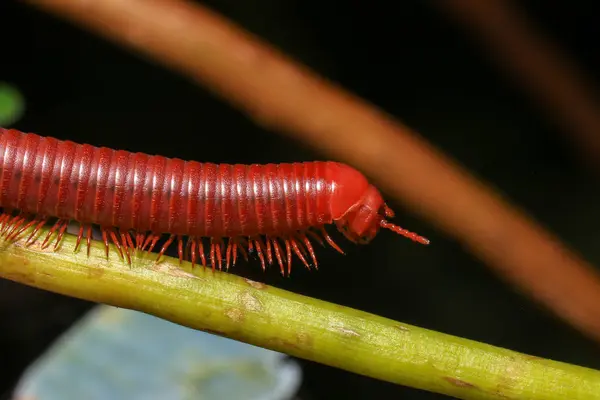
[(12, 104)]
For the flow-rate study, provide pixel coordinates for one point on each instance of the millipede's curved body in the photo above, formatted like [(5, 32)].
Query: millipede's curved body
[(136, 197)]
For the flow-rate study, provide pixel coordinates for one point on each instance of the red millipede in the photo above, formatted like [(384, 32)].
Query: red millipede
[(135, 198)]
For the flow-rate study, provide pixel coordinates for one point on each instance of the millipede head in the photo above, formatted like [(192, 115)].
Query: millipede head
[(364, 220)]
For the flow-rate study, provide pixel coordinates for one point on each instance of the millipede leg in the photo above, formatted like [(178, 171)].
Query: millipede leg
[(259, 251), (16, 235), (300, 243), (46, 242), (234, 250), (109, 234), (152, 239), (315, 236), (7, 223), (296, 247), (228, 253), (191, 246), (125, 245), (114, 239), (235, 247), (218, 251), (330, 240), (139, 241), (278, 252), (61, 234), (33, 236), (105, 240), (188, 247), (3, 218), (242, 244), (201, 251), (130, 241), (147, 241), (180, 248), (288, 252), (310, 249), (212, 254), (89, 239), (79, 237), (165, 246), (260, 244), (269, 250), (15, 227)]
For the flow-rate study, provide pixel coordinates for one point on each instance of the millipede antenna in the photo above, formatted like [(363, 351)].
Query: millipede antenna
[(389, 213)]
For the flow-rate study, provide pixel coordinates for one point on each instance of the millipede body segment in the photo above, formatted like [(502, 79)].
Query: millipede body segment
[(274, 209)]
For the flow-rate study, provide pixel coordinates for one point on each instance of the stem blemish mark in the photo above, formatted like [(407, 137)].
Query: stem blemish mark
[(459, 382)]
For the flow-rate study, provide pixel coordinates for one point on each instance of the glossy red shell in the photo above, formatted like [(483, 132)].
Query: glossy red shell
[(45, 176)]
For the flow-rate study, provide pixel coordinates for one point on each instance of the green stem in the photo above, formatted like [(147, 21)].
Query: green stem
[(300, 326)]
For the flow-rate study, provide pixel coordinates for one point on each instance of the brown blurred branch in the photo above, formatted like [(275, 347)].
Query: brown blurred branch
[(282, 95), (551, 79)]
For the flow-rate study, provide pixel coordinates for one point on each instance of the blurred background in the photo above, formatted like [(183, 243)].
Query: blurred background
[(411, 59)]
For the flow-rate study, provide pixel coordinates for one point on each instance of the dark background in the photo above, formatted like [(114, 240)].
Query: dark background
[(406, 57)]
